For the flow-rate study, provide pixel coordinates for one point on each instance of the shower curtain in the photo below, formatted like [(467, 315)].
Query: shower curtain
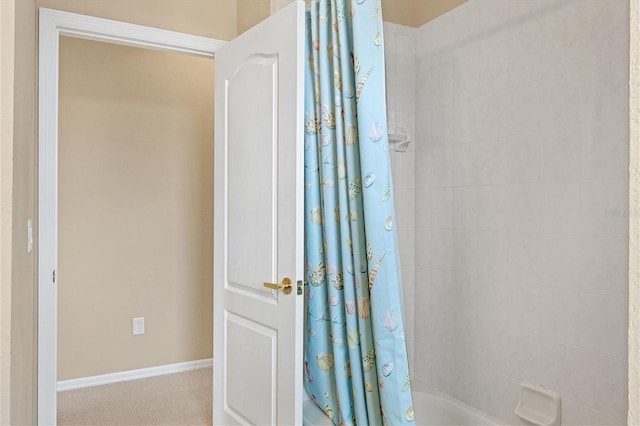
[(356, 365)]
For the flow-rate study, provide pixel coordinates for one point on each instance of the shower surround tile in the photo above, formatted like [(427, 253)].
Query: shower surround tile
[(492, 208), (561, 208), (606, 149), (604, 204), (563, 156), (424, 211), (521, 204), (465, 205), (594, 265), (400, 81), (603, 324)]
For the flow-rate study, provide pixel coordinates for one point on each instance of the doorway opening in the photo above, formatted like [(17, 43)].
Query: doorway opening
[(135, 205), (53, 26)]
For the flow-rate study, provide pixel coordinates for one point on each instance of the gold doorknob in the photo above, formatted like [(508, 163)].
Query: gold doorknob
[(285, 286)]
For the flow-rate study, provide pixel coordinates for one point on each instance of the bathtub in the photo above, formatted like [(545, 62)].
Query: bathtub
[(429, 410)]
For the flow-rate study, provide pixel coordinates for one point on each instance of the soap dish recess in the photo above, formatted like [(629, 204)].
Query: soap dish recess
[(538, 406), (399, 137)]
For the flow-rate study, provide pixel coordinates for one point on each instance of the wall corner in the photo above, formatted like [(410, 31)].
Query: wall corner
[(634, 215)]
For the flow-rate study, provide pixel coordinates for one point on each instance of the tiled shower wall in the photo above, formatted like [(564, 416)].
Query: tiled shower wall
[(399, 42), (519, 202)]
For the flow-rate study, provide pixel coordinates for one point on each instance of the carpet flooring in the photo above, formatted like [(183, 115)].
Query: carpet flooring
[(172, 399)]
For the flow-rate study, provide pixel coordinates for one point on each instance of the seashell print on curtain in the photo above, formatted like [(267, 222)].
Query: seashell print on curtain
[(356, 366)]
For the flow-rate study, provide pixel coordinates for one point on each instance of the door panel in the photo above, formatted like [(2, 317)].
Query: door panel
[(243, 363), (253, 104), (258, 215)]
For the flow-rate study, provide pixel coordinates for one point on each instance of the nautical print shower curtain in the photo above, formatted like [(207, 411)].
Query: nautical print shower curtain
[(356, 366)]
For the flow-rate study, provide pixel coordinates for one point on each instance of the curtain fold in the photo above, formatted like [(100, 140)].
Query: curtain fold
[(356, 366)]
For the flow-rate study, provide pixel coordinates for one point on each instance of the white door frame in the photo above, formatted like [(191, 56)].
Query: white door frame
[(53, 24)]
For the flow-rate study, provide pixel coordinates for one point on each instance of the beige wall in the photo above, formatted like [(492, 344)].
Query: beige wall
[(17, 334), (23, 313), (399, 12), (426, 10), (251, 12), (136, 195), (414, 13), (7, 37), (207, 18), (411, 13)]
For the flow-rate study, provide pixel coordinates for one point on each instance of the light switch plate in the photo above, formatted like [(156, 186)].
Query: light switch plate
[(29, 235)]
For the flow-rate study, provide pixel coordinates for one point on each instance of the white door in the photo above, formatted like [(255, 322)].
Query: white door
[(258, 229)]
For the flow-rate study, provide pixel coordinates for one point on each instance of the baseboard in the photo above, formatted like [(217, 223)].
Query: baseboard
[(123, 376)]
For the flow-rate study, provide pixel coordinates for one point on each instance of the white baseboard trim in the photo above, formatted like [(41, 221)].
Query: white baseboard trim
[(123, 376)]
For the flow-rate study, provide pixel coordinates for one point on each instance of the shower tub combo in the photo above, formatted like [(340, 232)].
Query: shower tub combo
[(430, 410)]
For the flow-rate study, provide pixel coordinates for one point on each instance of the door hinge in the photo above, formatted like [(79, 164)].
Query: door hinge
[(54, 276)]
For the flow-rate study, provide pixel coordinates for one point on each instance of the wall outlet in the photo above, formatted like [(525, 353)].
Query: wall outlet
[(138, 326)]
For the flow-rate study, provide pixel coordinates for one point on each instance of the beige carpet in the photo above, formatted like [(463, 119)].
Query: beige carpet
[(173, 399)]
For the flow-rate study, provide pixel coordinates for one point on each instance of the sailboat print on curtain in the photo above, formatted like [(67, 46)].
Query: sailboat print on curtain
[(356, 366)]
